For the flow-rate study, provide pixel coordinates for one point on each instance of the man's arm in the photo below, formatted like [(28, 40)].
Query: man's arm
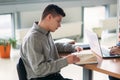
[(65, 47)]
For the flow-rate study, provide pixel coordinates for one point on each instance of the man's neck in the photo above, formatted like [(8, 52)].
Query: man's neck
[(43, 25)]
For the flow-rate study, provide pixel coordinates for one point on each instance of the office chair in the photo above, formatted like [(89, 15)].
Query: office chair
[(22, 75)]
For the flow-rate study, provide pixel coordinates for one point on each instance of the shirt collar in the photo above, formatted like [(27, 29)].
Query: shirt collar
[(40, 29)]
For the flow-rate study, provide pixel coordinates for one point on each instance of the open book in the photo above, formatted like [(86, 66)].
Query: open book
[(86, 58)]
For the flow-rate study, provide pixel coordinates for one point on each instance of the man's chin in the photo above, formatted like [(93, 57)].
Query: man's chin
[(53, 31)]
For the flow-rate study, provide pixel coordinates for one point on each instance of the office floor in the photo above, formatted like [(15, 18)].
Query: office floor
[(8, 70)]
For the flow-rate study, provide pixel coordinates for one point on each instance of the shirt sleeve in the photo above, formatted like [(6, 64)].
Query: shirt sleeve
[(65, 47), (118, 44)]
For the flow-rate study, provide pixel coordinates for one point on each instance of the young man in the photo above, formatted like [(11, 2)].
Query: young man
[(38, 51)]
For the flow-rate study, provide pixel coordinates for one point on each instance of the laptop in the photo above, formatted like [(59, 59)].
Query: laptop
[(97, 48)]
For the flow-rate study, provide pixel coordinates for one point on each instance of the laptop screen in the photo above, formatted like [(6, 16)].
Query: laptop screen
[(93, 42)]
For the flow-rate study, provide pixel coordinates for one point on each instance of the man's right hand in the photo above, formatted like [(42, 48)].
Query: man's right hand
[(72, 58)]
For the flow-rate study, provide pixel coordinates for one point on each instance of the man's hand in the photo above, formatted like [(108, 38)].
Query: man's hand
[(115, 50), (78, 49), (72, 58)]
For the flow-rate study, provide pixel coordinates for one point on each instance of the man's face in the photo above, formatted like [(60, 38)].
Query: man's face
[(55, 23)]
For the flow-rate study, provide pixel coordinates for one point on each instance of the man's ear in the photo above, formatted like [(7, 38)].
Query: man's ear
[(49, 16)]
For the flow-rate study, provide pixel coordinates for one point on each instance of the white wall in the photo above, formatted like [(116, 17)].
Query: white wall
[(68, 30), (113, 10), (29, 17)]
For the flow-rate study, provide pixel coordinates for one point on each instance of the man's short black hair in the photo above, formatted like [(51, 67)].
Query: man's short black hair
[(54, 10)]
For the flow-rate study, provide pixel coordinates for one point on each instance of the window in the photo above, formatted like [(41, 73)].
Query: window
[(6, 26), (92, 18)]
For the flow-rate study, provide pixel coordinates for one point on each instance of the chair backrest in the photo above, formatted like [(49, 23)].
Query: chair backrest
[(21, 70)]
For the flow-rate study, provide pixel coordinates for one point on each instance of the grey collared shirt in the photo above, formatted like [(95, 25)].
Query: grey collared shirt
[(40, 54)]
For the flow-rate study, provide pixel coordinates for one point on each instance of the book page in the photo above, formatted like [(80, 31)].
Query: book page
[(86, 58)]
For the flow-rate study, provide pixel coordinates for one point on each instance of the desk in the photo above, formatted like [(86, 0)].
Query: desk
[(106, 66)]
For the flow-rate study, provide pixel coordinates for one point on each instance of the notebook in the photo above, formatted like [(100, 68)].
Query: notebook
[(96, 47), (86, 57)]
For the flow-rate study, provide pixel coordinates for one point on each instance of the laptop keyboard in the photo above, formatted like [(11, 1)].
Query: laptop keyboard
[(105, 51)]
